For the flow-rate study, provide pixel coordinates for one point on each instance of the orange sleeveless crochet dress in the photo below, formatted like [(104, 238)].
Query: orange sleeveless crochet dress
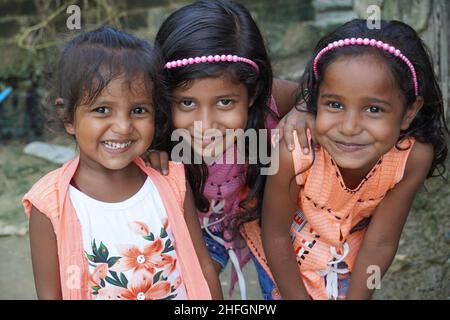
[(331, 220)]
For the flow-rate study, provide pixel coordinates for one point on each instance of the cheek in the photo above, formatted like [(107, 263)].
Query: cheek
[(323, 122), (236, 118), (181, 120), (145, 129), (387, 131), (149, 129)]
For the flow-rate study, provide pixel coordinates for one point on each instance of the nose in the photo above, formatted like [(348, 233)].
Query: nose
[(206, 118), (351, 124), (122, 125)]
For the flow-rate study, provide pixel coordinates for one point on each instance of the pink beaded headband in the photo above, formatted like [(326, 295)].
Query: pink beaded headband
[(210, 58), (372, 43)]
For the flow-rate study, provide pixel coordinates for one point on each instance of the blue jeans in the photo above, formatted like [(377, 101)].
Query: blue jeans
[(216, 251), (220, 255), (268, 287)]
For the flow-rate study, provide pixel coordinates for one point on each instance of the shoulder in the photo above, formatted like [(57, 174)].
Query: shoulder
[(419, 161), (176, 173), (177, 180), (289, 164), (283, 92), (176, 168), (43, 195), (296, 161)]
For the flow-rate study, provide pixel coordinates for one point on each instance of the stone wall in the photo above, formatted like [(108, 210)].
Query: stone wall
[(30, 29)]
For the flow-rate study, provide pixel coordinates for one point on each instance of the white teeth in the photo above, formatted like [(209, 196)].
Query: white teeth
[(114, 146)]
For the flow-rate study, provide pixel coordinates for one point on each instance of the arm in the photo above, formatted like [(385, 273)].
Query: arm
[(283, 92), (44, 257), (279, 206), (383, 234), (190, 215)]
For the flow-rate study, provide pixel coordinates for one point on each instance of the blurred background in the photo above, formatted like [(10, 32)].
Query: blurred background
[(30, 31)]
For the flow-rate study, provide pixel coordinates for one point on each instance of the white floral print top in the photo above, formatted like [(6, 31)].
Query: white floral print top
[(129, 246)]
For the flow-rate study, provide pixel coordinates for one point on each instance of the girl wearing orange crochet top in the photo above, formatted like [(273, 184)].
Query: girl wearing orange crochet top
[(380, 124)]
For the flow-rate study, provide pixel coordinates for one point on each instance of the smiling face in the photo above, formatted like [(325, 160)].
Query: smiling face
[(215, 103), (360, 112), (116, 128)]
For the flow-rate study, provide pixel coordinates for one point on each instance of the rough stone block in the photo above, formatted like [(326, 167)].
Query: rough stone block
[(9, 28), (23, 7)]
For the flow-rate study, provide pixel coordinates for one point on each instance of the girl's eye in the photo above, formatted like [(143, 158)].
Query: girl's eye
[(225, 103), (187, 103), (335, 105), (374, 109), (102, 110), (139, 110)]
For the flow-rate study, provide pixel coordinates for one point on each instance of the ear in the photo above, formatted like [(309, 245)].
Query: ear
[(69, 128), (63, 115), (410, 114)]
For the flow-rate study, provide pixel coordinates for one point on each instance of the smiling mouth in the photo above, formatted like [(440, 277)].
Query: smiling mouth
[(205, 141), (112, 145), (349, 147)]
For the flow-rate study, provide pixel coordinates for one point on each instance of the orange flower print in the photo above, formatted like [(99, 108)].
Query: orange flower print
[(141, 287), (165, 223), (139, 228), (110, 293), (170, 264), (100, 272), (134, 258), (177, 283)]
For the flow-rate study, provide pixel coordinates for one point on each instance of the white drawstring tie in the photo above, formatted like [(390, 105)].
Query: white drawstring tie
[(231, 253), (332, 271)]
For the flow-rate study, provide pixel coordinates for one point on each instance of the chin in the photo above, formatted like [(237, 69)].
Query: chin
[(349, 164), (116, 164)]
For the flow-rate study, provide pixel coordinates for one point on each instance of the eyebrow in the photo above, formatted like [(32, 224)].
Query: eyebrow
[(331, 95), (370, 99), (377, 100), (100, 102), (112, 103), (222, 96), (228, 95)]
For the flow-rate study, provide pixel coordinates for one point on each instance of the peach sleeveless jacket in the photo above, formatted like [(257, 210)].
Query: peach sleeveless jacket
[(50, 196)]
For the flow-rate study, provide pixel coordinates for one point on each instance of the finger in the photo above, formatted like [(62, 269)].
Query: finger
[(164, 162), (280, 128), (312, 131), (303, 140), (154, 161), (289, 135)]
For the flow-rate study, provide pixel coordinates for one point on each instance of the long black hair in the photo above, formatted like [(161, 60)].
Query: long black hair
[(216, 28), (429, 124), (91, 60)]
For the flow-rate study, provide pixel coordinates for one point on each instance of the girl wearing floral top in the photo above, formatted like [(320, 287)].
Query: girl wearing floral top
[(104, 226)]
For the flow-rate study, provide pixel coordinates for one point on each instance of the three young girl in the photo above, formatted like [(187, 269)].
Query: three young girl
[(217, 72)]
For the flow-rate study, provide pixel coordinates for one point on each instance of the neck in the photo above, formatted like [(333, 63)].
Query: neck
[(107, 185), (353, 177)]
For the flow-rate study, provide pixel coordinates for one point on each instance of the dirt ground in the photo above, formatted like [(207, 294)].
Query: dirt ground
[(419, 271)]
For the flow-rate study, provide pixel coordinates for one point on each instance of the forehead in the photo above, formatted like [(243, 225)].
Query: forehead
[(205, 86), (366, 75), (126, 86)]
